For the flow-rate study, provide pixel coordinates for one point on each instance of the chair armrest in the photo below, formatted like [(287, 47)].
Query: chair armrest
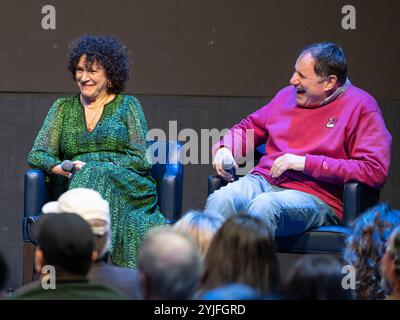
[(34, 193), (171, 198), (30, 228), (357, 198), (215, 183), (34, 198)]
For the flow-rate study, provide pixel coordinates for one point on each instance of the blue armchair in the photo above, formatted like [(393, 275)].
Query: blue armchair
[(168, 175)]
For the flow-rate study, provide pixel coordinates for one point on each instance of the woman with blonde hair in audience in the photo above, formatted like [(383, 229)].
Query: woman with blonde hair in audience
[(201, 227)]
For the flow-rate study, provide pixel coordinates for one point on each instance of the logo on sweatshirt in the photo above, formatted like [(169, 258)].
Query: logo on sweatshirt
[(331, 123)]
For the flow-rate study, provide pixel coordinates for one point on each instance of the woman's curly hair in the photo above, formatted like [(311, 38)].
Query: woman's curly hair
[(108, 52), (366, 246)]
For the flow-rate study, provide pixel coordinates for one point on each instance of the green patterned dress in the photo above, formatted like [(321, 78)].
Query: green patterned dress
[(116, 165)]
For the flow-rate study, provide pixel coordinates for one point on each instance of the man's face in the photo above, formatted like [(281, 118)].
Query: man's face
[(311, 89)]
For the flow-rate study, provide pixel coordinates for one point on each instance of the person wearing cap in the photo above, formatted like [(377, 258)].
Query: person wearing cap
[(90, 205), (66, 246)]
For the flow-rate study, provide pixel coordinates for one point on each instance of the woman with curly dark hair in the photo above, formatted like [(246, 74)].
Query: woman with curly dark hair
[(366, 247), (103, 132)]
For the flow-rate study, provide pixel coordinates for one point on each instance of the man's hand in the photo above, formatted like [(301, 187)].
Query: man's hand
[(224, 154), (287, 162)]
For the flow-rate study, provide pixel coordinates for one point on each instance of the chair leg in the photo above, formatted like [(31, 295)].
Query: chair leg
[(28, 263)]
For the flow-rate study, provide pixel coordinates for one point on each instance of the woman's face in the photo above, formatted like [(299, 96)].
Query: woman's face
[(92, 81)]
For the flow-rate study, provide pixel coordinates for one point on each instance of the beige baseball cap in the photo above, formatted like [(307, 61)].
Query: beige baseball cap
[(87, 203)]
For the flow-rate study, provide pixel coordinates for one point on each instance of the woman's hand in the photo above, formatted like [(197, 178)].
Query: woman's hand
[(78, 165), (57, 170)]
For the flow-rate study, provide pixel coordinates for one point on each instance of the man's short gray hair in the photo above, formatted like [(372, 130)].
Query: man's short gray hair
[(171, 263)]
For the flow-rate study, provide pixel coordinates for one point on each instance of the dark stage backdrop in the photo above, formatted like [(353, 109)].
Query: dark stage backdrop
[(205, 64)]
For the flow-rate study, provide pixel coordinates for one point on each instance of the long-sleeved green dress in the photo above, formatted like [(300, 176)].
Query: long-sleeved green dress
[(116, 165)]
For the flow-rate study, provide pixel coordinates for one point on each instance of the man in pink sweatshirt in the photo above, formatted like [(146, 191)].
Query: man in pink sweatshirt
[(320, 132)]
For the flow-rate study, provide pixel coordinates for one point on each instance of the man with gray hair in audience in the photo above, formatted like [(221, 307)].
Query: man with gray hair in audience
[(169, 265), (95, 210), (390, 267)]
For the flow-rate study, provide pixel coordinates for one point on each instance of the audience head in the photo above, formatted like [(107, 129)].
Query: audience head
[(66, 242), (316, 277), (390, 268), (242, 251), (366, 247), (235, 291), (200, 226), (169, 265), (90, 206)]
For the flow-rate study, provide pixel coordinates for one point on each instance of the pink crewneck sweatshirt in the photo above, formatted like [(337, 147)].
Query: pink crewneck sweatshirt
[(343, 140)]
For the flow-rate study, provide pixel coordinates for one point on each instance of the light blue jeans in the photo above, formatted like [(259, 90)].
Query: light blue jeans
[(286, 211)]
